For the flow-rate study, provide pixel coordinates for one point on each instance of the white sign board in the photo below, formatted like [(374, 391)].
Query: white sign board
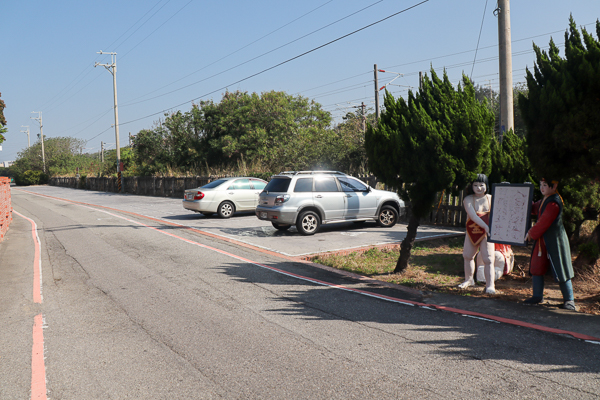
[(510, 218)]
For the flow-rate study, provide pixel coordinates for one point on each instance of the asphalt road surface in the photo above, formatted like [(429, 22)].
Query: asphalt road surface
[(134, 307)]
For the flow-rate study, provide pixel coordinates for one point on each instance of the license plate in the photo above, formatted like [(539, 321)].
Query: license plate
[(189, 197), (263, 215)]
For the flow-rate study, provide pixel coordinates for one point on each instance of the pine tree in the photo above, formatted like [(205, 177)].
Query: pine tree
[(562, 109), (437, 141)]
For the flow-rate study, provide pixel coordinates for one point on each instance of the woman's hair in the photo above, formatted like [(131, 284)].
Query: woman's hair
[(480, 178), (551, 182)]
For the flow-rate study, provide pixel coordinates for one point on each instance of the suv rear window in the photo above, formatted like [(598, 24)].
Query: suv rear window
[(326, 184), (278, 185), (303, 185)]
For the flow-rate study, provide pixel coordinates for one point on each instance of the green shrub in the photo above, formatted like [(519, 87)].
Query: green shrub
[(589, 250), (29, 177), (82, 181)]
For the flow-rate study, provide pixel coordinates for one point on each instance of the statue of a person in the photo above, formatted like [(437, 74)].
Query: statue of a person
[(478, 205), (551, 252)]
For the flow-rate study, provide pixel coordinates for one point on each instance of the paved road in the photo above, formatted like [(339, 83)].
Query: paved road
[(137, 308)]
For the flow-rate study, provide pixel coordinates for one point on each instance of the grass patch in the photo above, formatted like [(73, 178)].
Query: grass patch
[(437, 266)]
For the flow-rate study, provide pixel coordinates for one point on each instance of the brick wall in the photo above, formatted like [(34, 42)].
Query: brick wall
[(5, 206)]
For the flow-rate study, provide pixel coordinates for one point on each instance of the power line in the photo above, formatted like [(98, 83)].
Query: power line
[(479, 38), (283, 62), (224, 57), (250, 60)]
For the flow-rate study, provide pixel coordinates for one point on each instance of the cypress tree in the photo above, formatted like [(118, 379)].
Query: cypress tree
[(562, 109), (436, 141)]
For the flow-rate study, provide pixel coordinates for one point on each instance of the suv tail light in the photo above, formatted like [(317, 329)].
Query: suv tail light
[(282, 198), (199, 196)]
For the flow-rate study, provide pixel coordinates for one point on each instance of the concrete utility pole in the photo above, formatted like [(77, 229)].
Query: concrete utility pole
[(376, 94), (112, 68), (102, 152), (27, 132), (39, 119), (506, 82)]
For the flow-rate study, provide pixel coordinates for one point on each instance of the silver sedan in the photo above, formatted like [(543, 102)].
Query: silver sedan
[(224, 196)]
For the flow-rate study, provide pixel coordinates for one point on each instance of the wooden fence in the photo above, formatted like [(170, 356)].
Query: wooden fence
[(448, 211)]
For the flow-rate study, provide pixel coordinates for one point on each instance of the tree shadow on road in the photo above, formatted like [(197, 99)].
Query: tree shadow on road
[(448, 333)]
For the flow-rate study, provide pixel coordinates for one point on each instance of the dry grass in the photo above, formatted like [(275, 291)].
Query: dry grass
[(438, 266)]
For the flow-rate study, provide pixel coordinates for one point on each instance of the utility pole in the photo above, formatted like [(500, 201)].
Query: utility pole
[(27, 132), (376, 94), (39, 119), (112, 68), (102, 152), (506, 82), (364, 118), (420, 81)]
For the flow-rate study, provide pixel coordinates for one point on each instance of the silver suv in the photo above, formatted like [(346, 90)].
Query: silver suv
[(308, 199)]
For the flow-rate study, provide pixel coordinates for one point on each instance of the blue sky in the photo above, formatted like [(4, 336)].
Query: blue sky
[(173, 52)]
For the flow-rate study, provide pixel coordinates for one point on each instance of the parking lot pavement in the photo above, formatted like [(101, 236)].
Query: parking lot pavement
[(247, 228), (333, 237)]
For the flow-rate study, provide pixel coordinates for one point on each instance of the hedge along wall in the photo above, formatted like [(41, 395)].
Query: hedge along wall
[(5, 206)]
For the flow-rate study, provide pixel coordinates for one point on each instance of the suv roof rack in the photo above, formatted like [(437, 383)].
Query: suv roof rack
[(310, 172)]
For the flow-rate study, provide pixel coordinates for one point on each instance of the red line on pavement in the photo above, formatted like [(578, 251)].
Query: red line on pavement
[(363, 292), (38, 369), (37, 264)]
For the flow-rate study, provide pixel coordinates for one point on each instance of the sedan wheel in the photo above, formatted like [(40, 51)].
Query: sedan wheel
[(226, 209), (388, 216), (308, 223)]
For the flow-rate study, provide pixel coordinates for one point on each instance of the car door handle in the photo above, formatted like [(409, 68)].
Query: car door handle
[(319, 196), (348, 195), (230, 192)]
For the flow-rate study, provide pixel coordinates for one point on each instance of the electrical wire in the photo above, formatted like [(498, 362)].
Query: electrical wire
[(252, 59), (283, 62), (479, 38), (230, 54)]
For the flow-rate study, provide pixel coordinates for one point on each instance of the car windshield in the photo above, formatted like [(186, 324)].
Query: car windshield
[(278, 185), (214, 184)]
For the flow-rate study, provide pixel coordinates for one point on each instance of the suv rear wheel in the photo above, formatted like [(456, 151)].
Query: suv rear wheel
[(388, 216), (308, 223)]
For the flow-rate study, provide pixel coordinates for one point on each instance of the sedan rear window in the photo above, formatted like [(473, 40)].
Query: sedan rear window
[(214, 184), (278, 185)]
